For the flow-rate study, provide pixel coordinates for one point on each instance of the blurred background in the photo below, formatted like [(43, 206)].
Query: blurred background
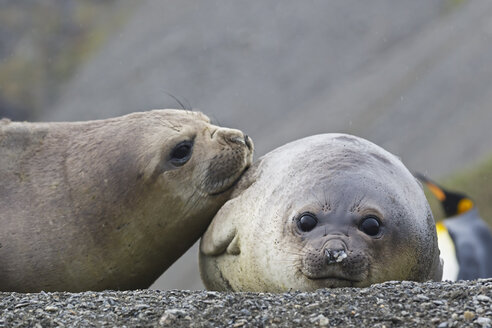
[(414, 76)]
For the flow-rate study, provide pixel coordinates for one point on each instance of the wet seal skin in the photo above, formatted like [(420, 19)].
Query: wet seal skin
[(110, 204), (330, 210)]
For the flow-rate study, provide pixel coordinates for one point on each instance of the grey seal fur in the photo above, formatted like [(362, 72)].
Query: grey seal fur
[(110, 204), (331, 210)]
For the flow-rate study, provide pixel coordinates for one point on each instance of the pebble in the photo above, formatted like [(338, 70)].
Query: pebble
[(171, 315), (468, 315), (51, 308), (240, 323), (483, 298), (245, 312), (321, 320), (484, 322), (19, 305), (443, 304)]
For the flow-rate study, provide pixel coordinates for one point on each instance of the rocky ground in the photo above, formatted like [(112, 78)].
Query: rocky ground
[(391, 304)]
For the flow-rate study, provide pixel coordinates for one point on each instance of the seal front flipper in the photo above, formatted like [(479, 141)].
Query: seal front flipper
[(221, 235), (221, 238)]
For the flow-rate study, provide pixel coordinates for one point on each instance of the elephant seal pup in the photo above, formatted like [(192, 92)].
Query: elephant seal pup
[(330, 210), (110, 204)]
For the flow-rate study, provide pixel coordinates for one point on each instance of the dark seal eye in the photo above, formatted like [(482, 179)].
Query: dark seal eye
[(307, 222), (370, 226), (181, 153)]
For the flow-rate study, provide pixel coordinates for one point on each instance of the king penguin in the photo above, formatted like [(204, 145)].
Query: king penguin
[(464, 239)]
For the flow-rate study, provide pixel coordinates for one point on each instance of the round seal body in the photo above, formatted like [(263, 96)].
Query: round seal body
[(110, 204), (330, 210)]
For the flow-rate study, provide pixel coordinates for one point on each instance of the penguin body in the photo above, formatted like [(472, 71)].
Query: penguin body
[(472, 240), (450, 267)]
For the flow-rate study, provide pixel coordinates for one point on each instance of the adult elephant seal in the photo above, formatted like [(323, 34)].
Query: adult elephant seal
[(330, 210), (110, 204)]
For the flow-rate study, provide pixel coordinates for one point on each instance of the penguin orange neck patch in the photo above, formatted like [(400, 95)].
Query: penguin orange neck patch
[(464, 205)]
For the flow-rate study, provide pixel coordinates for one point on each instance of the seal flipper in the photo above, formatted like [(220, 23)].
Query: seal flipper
[(221, 233), (233, 247)]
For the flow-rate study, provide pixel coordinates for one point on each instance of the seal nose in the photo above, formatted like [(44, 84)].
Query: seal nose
[(233, 137), (335, 255), (335, 251), (237, 137)]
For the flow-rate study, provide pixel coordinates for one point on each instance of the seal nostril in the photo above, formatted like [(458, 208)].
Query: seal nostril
[(328, 255), (237, 139), (335, 255), (247, 141)]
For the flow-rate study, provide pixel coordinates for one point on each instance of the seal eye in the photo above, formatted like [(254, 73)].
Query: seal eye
[(307, 222), (370, 226), (181, 153)]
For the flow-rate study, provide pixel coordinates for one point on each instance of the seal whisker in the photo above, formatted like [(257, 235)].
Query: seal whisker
[(175, 127), (293, 252), (320, 203), (216, 120), (193, 200), (178, 101), (327, 201)]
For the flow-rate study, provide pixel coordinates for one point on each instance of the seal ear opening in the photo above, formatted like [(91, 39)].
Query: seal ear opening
[(221, 235)]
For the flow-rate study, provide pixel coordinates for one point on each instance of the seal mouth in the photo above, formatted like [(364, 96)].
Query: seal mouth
[(333, 281), (331, 277), (233, 183)]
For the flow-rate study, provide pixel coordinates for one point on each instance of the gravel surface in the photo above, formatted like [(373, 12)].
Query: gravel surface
[(391, 304)]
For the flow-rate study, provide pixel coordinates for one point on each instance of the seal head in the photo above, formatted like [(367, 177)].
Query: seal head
[(330, 210)]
